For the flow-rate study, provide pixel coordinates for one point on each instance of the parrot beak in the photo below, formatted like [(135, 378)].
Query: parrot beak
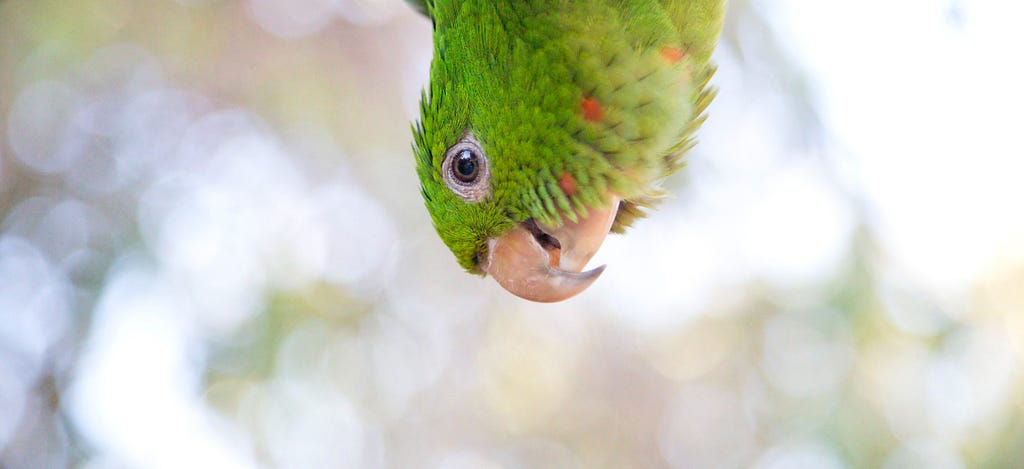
[(544, 264)]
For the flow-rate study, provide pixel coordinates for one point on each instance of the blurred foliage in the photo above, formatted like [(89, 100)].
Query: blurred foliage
[(213, 254)]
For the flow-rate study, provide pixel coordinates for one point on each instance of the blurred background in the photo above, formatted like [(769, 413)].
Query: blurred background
[(213, 252)]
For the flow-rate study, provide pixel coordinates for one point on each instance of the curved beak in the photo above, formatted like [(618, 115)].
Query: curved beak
[(545, 264)]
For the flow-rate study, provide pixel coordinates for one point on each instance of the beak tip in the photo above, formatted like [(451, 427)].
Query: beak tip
[(556, 285)]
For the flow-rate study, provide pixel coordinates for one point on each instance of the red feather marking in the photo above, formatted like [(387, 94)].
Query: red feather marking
[(592, 110), (567, 183), (672, 54)]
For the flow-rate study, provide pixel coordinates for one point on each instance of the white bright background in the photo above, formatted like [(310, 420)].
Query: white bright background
[(213, 253)]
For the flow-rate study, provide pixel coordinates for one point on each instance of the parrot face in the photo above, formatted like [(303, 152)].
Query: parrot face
[(537, 261), (548, 124)]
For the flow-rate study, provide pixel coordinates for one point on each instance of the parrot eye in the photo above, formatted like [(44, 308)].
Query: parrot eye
[(465, 166), (465, 170)]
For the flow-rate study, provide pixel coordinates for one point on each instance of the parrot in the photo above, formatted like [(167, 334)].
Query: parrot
[(548, 124)]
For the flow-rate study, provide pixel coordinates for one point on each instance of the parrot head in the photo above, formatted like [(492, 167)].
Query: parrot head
[(500, 168), (547, 125), (481, 192)]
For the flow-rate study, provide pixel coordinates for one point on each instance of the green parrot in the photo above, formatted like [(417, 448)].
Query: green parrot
[(549, 124)]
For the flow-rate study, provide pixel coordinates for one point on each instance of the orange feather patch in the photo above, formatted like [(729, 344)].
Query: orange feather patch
[(672, 54), (567, 183), (592, 110)]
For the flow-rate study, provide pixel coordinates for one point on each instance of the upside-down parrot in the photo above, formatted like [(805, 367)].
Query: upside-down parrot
[(550, 123)]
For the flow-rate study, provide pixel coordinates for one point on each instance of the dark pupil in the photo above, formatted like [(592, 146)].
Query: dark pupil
[(465, 166)]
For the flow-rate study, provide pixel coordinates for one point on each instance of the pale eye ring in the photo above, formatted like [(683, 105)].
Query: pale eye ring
[(465, 170)]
